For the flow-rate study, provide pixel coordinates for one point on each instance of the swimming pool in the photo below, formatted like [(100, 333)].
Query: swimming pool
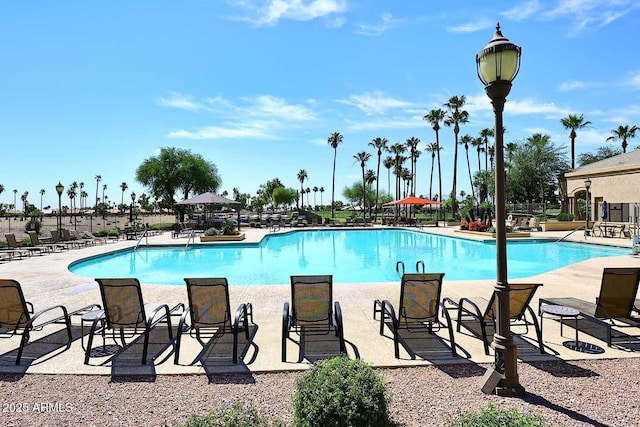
[(352, 256)]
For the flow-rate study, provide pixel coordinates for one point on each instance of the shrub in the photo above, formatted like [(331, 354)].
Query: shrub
[(33, 225), (478, 226), (494, 416), (212, 232), (238, 414), (227, 227), (341, 392), (564, 216)]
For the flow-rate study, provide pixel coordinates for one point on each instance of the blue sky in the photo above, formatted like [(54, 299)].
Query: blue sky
[(256, 87)]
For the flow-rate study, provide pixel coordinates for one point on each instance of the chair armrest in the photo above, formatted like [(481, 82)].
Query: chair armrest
[(476, 310), (31, 323)]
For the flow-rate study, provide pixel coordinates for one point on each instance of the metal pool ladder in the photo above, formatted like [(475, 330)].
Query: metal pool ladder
[(144, 236), (400, 266)]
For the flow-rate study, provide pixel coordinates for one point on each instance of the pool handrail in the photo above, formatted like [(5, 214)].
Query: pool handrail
[(145, 236)]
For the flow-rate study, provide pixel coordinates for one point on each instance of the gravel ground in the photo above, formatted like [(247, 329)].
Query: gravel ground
[(584, 393)]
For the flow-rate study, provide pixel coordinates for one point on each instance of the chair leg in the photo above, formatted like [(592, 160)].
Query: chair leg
[(23, 342)]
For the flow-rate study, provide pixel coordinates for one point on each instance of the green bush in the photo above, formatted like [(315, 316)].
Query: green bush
[(33, 225), (212, 232), (227, 227), (341, 392), (564, 216), (238, 414), (492, 416)]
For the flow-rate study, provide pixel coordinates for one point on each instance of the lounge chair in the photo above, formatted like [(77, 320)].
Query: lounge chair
[(614, 306), (419, 307), (594, 231), (209, 312), (15, 253), (51, 247), (17, 315), (484, 311), (125, 311), (13, 243), (67, 244), (312, 310), (101, 240), (76, 237)]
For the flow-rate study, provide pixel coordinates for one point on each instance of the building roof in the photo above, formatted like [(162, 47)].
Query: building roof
[(622, 163)]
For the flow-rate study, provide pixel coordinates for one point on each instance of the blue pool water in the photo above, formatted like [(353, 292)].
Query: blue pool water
[(352, 256)]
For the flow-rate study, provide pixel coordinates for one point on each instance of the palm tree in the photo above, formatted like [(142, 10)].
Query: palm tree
[(622, 133), (363, 157), (388, 163), (412, 147), (380, 144), (83, 196), (24, 199), (432, 148), (98, 178), (15, 192), (123, 187), (466, 140), (479, 144), (42, 191), (71, 192), (455, 117), (334, 140), (315, 192), (82, 193), (485, 134), (104, 188), (307, 190), (321, 191), (573, 122), (302, 175), (397, 149), (435, 117)]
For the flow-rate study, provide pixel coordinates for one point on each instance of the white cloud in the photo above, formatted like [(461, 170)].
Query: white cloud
[(255, 117), (375, 103), (634, 80), (270, 12), (387, 21), (388, 123), (471, 27), (184, 102), (591, 14), (522, 11), (571, 85), (234, 131)]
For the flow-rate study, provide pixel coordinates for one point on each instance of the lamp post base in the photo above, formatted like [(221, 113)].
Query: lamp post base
[(493, 382)]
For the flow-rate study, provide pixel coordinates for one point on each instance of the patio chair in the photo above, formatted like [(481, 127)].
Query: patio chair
[(51, 247), (125, 311), (419, 307), (484, 311), (615, 304), (594, 231), (209, 312), (17, 315), (76, 237), (312, 310), (67, 244), (13, 243)]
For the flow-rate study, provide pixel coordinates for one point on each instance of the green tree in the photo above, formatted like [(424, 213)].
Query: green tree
[(302, 176), (315, 193), (478, 143), (466, 140), (574, 122), (455, 117), (433, 149), (363, 157), (98, 178), (283, 196), (536, 165), (485, 134), (334, 140), (435, 117), (321, 191), (603, 152), (42, 191), (380, 144), (388, 163), (176, 169), (398, 160), (123, 187), (623, 133), (412, 147)]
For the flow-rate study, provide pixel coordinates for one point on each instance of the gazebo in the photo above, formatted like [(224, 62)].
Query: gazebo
[(211, 199)]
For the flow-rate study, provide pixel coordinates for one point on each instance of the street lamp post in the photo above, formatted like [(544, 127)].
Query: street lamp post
[(497, 65), (133, 201), (587, 185), (59, 190)]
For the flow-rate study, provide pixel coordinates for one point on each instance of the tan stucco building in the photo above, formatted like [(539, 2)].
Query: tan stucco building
[(615, 180)]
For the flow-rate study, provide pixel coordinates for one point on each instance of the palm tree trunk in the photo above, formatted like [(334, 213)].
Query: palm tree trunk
[(333, 183), (473, 192)]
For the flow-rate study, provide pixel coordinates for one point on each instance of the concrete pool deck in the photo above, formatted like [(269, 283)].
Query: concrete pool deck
[(46, 281)]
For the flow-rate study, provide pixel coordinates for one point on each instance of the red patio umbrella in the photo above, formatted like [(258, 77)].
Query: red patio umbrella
[(412, 200)]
